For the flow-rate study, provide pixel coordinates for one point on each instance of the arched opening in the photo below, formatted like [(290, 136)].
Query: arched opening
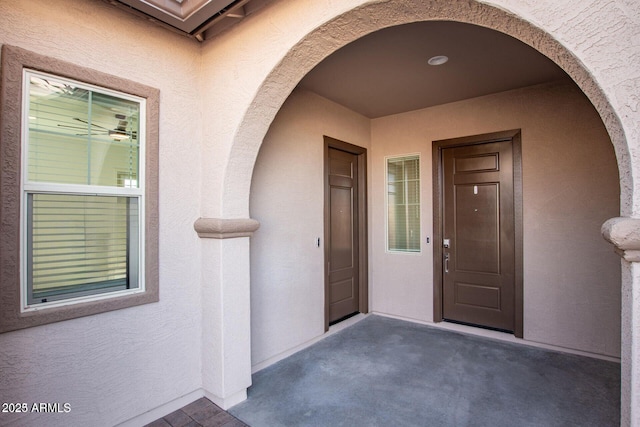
[(320, 42), (350, 26), (356, 95)]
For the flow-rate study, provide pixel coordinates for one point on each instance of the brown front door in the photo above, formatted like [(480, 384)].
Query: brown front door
[(345, 230), (343, 234), (478, 235)]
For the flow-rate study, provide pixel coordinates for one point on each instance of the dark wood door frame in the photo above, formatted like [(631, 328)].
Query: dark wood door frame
[(438, 212), (361, 197)]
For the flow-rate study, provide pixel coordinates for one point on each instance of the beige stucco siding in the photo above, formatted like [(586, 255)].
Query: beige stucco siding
[(571, 275), (115, 366), (217, 101), (287, 197), (570, 187)]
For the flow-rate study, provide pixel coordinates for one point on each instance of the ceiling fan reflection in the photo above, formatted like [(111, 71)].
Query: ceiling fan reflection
[(119, 133)]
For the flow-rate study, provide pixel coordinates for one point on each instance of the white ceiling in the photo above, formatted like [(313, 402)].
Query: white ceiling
[(386, 72)]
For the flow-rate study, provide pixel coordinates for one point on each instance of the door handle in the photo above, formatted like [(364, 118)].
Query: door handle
[(446, 262)]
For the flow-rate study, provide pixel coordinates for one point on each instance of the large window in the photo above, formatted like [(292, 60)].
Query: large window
[(78, 191), (403, 204), (81, 214)]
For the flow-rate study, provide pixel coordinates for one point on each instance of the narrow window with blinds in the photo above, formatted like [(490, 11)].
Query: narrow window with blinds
[(403, 204), (82, 192)]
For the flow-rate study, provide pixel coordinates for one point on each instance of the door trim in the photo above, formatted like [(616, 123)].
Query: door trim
[(361, 196), (438, 180)]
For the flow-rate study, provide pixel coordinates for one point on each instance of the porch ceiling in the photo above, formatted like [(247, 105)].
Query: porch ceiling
[(387, 72)]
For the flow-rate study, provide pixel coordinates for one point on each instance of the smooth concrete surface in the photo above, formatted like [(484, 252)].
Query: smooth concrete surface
[(382, 372)]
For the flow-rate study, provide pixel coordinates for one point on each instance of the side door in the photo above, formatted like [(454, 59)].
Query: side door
[(342, 287), (345, 230)]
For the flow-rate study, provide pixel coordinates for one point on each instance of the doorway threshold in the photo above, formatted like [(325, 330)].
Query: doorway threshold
[(342, 319), (501, 336), (348, 321), (472, 325)]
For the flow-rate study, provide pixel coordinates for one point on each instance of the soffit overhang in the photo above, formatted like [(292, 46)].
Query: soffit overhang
[(191, 17)]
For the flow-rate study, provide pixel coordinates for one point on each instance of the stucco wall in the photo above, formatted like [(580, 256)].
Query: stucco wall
[(287, 197), (570, 187), (152, 352), (594, 42), (571, 275), (115, 366)]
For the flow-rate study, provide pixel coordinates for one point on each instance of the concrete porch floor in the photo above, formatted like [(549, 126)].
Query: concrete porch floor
[(405, 374)]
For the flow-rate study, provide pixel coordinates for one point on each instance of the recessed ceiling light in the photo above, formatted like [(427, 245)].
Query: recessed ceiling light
[(438, 60)]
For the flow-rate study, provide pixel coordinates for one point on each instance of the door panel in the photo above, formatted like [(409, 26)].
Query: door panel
[(478, 220), (477, 295), (343, 256), (477, 228), (342, 245)]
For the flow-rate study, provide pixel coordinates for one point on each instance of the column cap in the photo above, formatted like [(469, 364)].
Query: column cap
[(225, 228), (624, 234)]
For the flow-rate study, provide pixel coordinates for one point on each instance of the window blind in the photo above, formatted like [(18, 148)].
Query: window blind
[(82, 193), (403, 204), (79, 244)]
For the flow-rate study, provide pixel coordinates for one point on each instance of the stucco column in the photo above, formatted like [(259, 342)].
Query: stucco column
[(624, 233), (226, 317)]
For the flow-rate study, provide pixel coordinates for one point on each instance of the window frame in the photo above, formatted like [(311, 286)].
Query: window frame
[(13, 312), (386, 203), (46, 187)]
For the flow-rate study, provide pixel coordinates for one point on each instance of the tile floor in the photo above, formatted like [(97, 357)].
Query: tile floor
[(202, 412)]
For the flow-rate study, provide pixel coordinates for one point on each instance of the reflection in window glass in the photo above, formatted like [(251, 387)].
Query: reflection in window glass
[(80, 136), (82, 199)]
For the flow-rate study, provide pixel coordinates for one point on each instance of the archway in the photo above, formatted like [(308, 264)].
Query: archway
[(349, 26), (342, 30)]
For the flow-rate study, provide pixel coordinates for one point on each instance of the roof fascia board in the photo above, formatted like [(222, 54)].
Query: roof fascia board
[(186, 16)]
